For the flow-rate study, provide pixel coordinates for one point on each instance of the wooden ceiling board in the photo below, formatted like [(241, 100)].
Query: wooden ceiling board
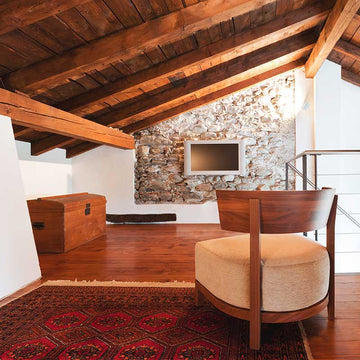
[(284, 6), (145, 99), (100, 52), (58, 32), (111, 73), (10, 60), (263, 14), (155, 55), (81, 147), (93, 11), (160, 7), (200, 60), (20, 13), (217, 74), (355, 68), (174, 5), (347, 62), (241, 22), (351, 29), (350, 77), (125, 11), (336, 57), (24, 46), (200, 101), (356, 38), (138, 63)]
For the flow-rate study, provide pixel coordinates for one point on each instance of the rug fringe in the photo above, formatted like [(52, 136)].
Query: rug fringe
[(306, 341), (173, 284)]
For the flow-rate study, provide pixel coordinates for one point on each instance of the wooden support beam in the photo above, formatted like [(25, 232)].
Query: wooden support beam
[(19, 13), (216, 95), (49, 143), (20, 131), (335, 25), (283, 51), (127, 43), (79, 149), (206, 99), (221, 75), (348, 49), (216, 78), (30, 113), (350, 77), (249, 40)]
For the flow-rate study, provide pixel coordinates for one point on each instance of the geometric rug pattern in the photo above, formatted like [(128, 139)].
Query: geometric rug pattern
[(133, 323)]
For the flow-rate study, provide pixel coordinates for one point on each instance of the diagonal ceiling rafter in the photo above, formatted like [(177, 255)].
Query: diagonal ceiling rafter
[(19, 13), (249, 40), (226, 49), (127, 43), (213, 96), (41, 117), (335, 25), (217, 78)]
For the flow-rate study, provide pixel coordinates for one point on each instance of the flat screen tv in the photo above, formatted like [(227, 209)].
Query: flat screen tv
[(214, 157)]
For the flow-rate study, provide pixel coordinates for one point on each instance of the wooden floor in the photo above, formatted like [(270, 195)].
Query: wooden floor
[(166, 253)]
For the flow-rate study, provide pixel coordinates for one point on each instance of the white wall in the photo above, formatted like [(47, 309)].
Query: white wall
[(19, 264), (337, 126), (110, 172), (46, 174), (305, 119)]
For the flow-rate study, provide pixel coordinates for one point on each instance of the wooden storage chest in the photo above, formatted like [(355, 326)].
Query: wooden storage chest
[(61, 223)]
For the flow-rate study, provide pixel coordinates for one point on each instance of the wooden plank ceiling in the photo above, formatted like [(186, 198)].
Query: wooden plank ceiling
[(130, 64)]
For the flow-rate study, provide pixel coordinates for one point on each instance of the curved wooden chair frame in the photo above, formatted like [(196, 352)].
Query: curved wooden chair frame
[(274, 212)]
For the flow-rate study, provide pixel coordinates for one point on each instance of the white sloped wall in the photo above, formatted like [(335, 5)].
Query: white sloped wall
[(19, 265)]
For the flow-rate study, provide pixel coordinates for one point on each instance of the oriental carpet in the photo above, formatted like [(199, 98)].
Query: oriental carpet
[(133, 323)]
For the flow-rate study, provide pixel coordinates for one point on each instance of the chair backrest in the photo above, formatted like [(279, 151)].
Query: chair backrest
[(280, 211)]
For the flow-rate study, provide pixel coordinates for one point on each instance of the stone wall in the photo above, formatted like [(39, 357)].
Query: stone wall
[(262, 115)]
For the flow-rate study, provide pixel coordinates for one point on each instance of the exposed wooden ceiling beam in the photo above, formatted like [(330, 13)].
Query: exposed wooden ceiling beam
[(335, 25), (350, 77), (27, 112), (191, 105), (348, 49), (155, 119), (49, 143), (219, 76), (21, 131), (245, 42), (126, 43), (19, 13)]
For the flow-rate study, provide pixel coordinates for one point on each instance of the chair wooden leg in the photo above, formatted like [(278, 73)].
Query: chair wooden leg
[(331, 304), (255, 334), (255, 275), (199, 297), (330, 245)]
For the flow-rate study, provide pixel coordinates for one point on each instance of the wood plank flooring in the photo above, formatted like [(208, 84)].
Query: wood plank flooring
[(133, 253), (166, 253)]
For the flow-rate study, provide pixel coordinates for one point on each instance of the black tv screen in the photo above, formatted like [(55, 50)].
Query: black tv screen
[(214, 157)]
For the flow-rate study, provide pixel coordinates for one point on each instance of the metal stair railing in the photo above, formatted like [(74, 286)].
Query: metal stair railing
[(306, 181)]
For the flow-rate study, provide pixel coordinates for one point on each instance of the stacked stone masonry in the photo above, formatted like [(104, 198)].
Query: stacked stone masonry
[(262, 115)]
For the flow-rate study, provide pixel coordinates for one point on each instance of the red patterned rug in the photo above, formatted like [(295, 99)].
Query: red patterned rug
[(133, 323)]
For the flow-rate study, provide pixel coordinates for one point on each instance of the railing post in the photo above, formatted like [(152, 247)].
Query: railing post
[(287, 176), (316, 185), (304, 168)]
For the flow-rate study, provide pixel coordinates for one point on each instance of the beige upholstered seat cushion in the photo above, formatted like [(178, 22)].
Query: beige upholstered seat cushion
[(295, 270)]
